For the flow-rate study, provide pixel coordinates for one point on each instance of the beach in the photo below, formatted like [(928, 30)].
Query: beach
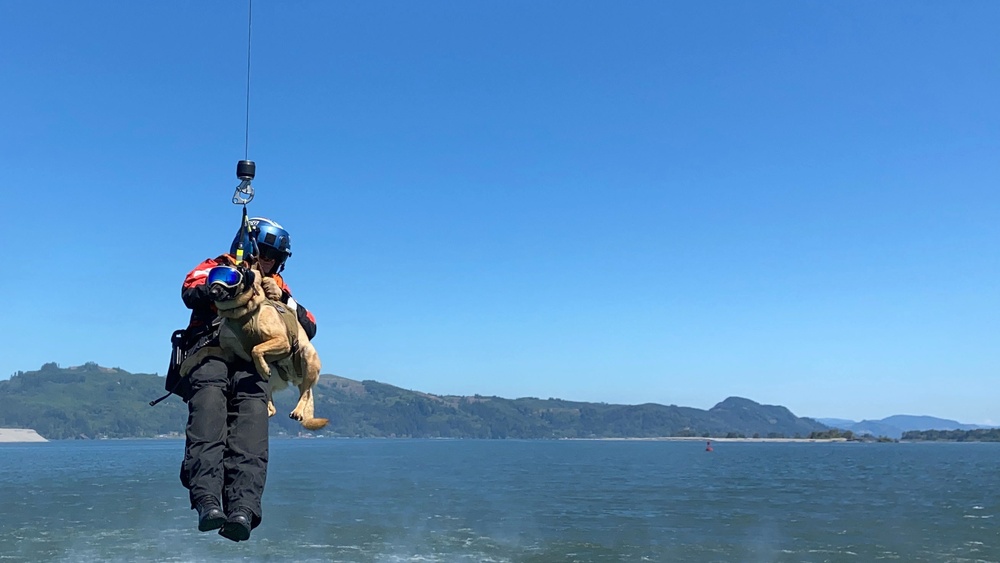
[(20, 435), (695, 439)]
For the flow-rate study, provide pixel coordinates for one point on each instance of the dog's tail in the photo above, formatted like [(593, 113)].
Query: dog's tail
[(309, 422), (314, 423)]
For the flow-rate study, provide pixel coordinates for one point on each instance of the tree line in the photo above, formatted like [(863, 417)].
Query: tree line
[(978, 435), (91, 401)]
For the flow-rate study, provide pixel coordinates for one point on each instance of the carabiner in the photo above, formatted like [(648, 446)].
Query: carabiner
[(245, 171), (244, 193)]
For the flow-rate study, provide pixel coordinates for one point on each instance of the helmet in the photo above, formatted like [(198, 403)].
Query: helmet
[(268, 237)]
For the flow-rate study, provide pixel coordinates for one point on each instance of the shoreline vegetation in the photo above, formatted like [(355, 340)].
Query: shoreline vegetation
[(10, 435), (27, 435)]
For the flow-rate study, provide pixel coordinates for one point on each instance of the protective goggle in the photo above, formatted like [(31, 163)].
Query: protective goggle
[(227, 278)]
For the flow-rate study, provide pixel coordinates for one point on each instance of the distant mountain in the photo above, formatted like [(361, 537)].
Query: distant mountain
[(894, 426), (910, 422), (836, 422), (370, 408), (93, 401), (750, 418)]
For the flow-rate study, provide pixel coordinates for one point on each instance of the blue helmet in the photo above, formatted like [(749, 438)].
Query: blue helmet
[(269, 239)]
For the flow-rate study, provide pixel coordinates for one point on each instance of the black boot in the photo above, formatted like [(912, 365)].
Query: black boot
[(237, 526), (210, 516)]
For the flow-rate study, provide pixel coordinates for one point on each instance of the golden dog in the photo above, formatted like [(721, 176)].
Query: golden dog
[(268, 334)]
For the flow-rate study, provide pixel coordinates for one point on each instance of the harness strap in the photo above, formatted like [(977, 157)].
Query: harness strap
[(291, 322), (289, 318)]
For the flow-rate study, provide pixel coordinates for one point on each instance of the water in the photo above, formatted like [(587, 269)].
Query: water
[(517, 501)]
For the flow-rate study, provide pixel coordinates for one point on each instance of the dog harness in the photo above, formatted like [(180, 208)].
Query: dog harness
[(287, 315), (291, 323)]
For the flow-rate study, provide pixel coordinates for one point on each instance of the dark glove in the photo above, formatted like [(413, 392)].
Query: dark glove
[(271, 289)]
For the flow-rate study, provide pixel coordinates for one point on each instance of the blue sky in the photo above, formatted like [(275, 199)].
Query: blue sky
[(793, 202)]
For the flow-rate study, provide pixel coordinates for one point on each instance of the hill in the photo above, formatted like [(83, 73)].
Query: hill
[(896, 425), (94, 401), (88, 401)]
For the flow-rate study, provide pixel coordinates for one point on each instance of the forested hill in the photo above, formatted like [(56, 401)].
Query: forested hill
[(92, 401)]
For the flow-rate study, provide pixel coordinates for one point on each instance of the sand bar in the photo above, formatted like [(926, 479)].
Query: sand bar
[(20, 435), (693, 439)]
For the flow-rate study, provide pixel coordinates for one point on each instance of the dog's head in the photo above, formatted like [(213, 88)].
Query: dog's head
[(231, 286)]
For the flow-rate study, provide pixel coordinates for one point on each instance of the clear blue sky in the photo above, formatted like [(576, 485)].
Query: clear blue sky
[(793, 202)]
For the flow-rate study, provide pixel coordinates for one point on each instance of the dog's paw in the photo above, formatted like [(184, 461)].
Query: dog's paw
[(263, 368)]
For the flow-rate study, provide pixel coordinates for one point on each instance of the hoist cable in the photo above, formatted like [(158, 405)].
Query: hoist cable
[(246, 137)]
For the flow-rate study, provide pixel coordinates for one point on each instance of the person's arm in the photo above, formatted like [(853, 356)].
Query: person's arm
[(194, 292), (306, 319)]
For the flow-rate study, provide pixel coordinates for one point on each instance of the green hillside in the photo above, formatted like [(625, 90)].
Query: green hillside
[(93, 401), (88, 401)]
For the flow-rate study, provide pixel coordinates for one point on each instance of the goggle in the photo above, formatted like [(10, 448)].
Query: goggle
[(228, 277)]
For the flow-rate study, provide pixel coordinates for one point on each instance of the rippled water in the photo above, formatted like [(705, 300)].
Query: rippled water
[(531, 501)]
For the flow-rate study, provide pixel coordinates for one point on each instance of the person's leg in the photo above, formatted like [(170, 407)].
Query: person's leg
[(202, 468), (245, 462)]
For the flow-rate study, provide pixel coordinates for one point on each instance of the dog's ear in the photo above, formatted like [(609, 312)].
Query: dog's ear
[(249, 276), (247, 272)]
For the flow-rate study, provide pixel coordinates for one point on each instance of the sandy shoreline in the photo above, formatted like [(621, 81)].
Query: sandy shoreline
[(694, 439), (20, 435)]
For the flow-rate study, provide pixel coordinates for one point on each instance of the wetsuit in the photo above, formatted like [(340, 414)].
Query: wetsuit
[(226, 450)]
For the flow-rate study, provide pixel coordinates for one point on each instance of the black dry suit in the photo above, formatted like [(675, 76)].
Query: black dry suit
[(225, 454)]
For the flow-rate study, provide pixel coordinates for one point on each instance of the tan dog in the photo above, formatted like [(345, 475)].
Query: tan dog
[(268, 334)]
